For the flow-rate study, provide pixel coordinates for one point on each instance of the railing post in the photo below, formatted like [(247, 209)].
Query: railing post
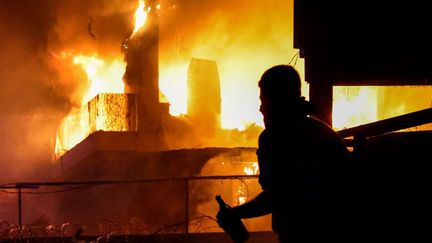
[(359, 145), (19, 210), (186, 205)]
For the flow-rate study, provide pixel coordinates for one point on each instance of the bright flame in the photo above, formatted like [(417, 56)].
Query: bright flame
[(59, 147), (251, 169), (106, 112), (140, 16), (105, 77), (242, 190), (173, 85), (353, 106), (242, 199), (72, 130)]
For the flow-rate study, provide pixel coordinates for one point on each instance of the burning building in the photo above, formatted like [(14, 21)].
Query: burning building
[(138, 116), (131, 136)]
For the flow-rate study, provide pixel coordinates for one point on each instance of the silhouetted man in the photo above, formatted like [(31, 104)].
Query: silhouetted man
[(303, 166)]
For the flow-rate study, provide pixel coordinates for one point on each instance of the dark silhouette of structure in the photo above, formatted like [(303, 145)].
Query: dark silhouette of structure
[(361, 43), (383, 43), (141, 77), (304, 167)]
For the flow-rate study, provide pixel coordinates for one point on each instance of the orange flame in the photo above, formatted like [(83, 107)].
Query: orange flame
[(105, 76), (354, 106), (251, 169), (140, 16)]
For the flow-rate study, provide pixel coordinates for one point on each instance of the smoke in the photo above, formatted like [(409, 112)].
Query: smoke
[(38, 84), (29, 104)]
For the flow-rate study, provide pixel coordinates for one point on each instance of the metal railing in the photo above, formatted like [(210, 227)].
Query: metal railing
[(360, 133), (19, 187)]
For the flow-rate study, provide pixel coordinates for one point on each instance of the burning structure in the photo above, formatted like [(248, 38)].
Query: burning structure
[(142, 73), (132, 136), (138, 114)]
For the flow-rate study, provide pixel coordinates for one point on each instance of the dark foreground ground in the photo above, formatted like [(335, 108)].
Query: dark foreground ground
[(255, 237)]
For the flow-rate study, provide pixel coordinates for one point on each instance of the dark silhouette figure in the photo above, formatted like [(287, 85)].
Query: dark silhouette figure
[(304, 166)]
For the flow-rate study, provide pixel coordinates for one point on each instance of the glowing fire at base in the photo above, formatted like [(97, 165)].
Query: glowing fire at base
[(250, 168)]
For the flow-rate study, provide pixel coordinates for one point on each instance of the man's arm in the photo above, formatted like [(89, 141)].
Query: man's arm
[(258, 206)]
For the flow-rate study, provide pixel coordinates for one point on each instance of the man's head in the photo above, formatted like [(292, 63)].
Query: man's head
[(280, 86), (281, 81)]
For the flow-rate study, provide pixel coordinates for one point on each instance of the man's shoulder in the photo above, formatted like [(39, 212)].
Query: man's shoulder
[(263, 135), (316, 121), (318, 124), (318, 128), (326, 133)]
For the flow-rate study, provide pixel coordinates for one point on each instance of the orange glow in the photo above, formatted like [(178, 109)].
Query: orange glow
[(105, 76), (72, 130), (237, 58), (353, 106), (242, 198), (172, 83), (106, 112), (250, 168), (244, 38)]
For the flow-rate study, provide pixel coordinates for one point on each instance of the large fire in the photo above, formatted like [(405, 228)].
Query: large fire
[(141, 14), (105, 76), (352, 105)]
